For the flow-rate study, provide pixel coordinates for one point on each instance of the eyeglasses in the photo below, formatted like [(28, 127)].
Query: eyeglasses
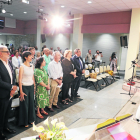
[(5, 52)]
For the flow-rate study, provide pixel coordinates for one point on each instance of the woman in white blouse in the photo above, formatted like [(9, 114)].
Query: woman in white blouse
[(16, 60)]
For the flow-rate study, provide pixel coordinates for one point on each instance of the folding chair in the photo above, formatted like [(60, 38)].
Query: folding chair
[(113, 78), (92, 81), (103, 76)]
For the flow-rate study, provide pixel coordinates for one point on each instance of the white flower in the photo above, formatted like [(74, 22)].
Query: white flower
[(53, 122), (50, 134), (34, 127), (46, 122), (60, 125), (40, 129)]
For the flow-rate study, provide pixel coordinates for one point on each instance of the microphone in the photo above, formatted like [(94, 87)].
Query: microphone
[(133, 62)]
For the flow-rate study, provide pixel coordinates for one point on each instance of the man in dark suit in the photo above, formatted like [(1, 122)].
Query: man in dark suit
[(79, 65), (7, 90)]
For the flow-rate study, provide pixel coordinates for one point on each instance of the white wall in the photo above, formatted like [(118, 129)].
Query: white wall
[(107, 43), (59, 40), (3, 39)]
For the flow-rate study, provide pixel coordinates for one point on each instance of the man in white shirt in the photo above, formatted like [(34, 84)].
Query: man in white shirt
[(98, 56), (55, 74)]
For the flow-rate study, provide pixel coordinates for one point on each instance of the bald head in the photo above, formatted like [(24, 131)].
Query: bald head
[(4, 53), (46, 51)]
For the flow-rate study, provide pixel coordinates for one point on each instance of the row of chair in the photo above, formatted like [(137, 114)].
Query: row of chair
[(101, 75)]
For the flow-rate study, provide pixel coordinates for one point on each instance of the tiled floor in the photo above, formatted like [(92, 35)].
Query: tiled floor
[(95, 108)]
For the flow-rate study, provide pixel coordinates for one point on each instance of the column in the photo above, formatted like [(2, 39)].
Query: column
[(133, 44), (40, 27), (77, 39)]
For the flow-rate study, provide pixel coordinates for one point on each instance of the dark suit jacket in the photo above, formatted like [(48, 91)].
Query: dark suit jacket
[(76, 63), (5, 80)]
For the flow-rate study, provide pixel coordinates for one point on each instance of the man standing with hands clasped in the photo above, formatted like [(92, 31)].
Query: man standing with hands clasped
[(79, 65), (55, 74), (7, 90)]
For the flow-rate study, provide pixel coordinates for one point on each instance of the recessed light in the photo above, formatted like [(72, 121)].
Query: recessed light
[(62, 6), (25, 12), (3, 11), (11, 14), (25, 1), (89, 2)]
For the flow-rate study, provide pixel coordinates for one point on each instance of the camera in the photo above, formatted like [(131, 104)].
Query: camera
[(100, 52)]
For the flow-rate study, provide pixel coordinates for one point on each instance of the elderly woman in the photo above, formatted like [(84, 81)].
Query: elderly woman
[(68, 77), (26, 86), (16, 60), (42, 87)]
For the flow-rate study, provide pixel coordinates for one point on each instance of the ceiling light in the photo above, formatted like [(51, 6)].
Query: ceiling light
[(89, 2), (11, 14), (25, 1), (25, 12), (62, 6), (46, 19), (41, 9), (57, 22), (3, 11)]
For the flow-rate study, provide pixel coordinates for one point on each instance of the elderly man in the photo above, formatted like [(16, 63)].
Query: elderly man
[(47, 58), (55, 74), (80, 66), (7, 90)]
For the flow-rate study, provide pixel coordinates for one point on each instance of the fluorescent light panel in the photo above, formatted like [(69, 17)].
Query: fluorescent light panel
[(25, 1)]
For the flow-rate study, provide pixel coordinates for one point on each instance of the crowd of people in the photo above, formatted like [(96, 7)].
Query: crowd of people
[(41, 77)]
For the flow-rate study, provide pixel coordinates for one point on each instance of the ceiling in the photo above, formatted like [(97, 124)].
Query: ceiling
[(73, 6)]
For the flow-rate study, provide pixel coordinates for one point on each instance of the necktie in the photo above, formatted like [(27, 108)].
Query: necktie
[(81, 66)]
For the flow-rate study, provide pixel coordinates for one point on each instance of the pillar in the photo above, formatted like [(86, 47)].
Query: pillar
[(77, 39), (133, 44), (40, 27)]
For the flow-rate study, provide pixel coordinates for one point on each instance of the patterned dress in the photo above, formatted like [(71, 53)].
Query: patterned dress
[(42, 95)]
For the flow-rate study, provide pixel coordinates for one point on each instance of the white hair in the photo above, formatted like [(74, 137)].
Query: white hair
[(2, 47), (54, 53)]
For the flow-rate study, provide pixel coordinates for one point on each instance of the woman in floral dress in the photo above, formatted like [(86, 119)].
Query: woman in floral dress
[(42, 87)]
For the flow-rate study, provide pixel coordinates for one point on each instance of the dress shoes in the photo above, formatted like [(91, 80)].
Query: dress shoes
[(77, 96), (56, 106), (11, 131), (2, 136), (51, 110)]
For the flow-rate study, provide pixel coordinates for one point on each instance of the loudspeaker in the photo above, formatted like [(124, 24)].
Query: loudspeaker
[(123, 41), (43, 38)]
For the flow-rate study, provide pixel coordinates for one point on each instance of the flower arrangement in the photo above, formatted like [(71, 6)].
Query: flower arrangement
[(56, 133)]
